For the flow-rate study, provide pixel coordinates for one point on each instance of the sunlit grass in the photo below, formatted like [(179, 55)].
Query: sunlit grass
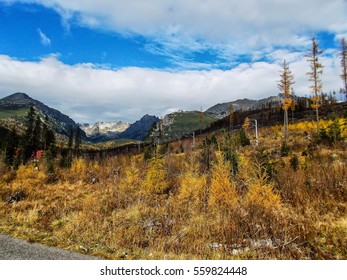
[(171, 207)]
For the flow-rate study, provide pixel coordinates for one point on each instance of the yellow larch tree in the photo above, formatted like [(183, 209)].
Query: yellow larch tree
[(193, 185), (287, 80), (315, 77), (223, 194), (155, 181)]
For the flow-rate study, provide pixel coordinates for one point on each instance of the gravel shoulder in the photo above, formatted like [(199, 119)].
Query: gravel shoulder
[(17, 249)]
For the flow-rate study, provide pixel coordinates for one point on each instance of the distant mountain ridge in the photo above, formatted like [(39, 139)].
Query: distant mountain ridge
[(139, 129), (221, 110), (16, 106), (173, 125), (180, 123), (104, 131), (61, 123)]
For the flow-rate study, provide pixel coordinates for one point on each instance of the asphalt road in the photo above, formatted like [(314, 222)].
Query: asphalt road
[(17, 249)]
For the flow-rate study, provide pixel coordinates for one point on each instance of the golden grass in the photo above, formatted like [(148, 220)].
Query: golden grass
[(172, 208)]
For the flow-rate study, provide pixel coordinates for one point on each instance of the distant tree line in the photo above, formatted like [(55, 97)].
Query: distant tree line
[(38, 139), (73, 147), (37, 136)]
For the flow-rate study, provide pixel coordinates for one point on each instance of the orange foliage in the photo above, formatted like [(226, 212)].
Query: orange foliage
[(223, 193)]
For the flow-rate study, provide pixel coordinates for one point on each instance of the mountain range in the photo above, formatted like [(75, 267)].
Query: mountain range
[(17, 105), (172, 126), (108, 131), (14, 108), (181, 123), (221, 110), (139, 129), (104, 131)]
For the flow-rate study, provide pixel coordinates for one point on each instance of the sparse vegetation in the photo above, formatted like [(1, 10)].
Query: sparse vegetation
[(18, 112), (221, 200)]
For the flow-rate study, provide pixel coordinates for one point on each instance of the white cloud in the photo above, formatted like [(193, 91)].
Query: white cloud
[(45, 41), (229, 26), (90, 94)]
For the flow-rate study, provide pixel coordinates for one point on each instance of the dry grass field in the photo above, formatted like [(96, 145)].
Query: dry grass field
[(272, 201)]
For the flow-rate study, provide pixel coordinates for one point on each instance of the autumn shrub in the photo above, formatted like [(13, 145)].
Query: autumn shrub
[(321, 186), (129, 187), (262, 197), (77, 171), (28, 178), (175, 207), (140, 226), (132, 176), (175, 165), (155, 181), (327, 183), (3, 168), (223, 193), (192, 236), (78, 167), (6, 174), (294, 162), (193, 187), (285, 149)]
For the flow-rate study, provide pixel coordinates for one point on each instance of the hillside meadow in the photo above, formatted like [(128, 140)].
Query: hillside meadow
[(223, 199)]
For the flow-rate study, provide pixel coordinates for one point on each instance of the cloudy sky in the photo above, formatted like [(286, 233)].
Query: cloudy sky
[(107, 60)]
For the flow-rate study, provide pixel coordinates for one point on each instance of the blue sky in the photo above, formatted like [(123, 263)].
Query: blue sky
[(21, 25), (113, 60)]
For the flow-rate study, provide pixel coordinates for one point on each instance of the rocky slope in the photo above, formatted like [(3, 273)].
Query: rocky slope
[(221, 110), (16, 105), (104, 131), (178, 124), (139, 129)]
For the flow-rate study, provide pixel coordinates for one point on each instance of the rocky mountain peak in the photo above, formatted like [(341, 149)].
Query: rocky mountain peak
[(17, 96), (60, 123)]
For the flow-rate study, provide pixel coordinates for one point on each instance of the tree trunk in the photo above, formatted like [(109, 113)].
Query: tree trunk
[(286, 124), (317, 117)]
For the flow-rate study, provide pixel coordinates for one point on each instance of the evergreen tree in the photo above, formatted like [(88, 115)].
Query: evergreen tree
[(244, 140), (45, 134), (315, 77), (11, 146), (28, 144), (30, 123), (69, 146), (44, 129), (229, 153), (206, 153), (37, 134), (48, 141), (48, 137), (150, 135), (49, 157), (78, 141)]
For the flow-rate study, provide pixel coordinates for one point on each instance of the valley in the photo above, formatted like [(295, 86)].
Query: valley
[(198, 187)]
